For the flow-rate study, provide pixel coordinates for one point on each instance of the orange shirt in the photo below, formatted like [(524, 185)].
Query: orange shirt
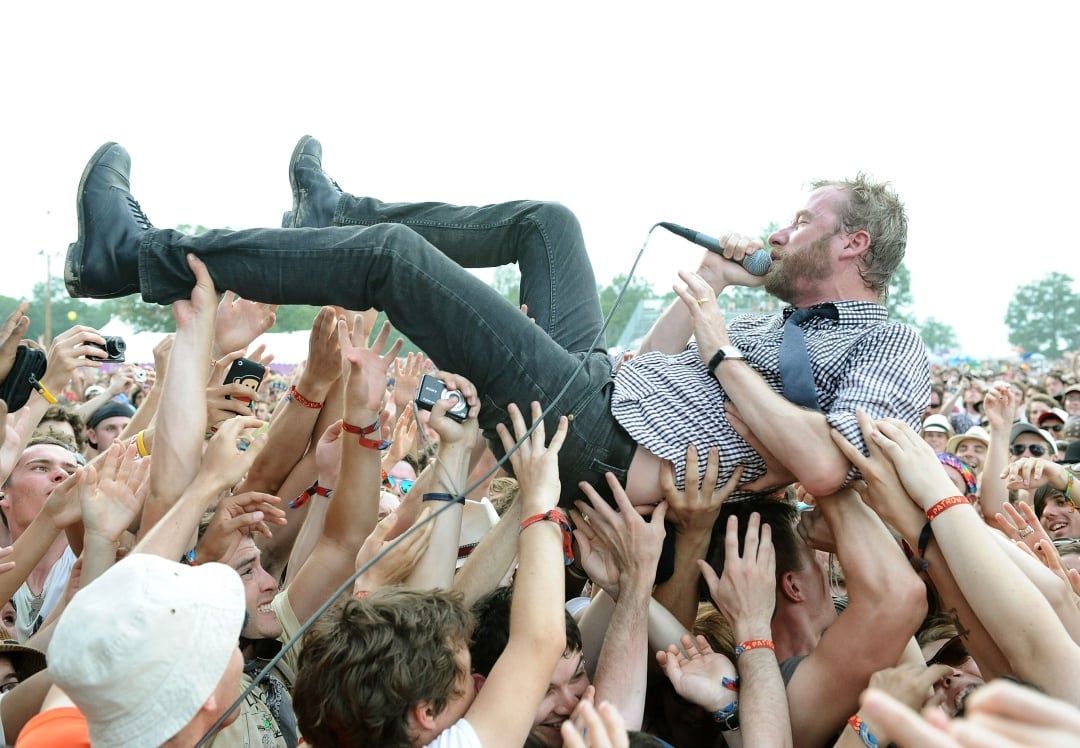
[(63, 727)]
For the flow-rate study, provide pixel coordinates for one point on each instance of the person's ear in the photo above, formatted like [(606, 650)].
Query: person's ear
[(424, 714), (858, 244), (479, 681), (791, 588)]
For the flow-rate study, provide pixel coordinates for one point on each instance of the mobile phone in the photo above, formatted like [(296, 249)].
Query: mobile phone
[(432, 389), (248, 373)]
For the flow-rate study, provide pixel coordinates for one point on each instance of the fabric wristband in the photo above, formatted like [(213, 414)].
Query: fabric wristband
[(746, 646), (556, 516), (448, 497), (863, 730), (294, 394), (728, 717), (944, 504), (313, 490), (363, 431)]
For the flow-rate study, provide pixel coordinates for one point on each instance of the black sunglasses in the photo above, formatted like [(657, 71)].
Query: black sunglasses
[(953, 654), (1037, 450), (1057, 428)]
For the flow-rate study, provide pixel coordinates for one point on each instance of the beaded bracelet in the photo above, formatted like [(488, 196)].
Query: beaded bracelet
[(448, 497), (944, 504), (294, 394), (746, 646), (379, 445), (1067, 493), (556, 516), (867, 737)]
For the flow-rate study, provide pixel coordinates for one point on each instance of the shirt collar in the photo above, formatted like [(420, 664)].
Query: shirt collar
[(851, 312)]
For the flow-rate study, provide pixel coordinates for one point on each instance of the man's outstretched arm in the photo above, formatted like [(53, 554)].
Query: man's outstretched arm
[(503, 711)]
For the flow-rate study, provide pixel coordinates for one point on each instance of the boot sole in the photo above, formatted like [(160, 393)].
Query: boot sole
[(73, 262)]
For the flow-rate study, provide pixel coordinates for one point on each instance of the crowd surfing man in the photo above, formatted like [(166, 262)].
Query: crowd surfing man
[(724, 389)]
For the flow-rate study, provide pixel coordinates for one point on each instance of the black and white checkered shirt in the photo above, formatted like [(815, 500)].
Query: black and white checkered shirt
[(861, 360)]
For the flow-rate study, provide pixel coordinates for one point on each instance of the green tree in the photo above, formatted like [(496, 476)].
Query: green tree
[(900, 300), (507, 282), (293, 317), (1044, 316), (142, 316), (638, 290), (60, 313), (937, 336)]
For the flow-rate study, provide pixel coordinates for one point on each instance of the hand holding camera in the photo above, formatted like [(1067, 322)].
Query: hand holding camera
[(114, 348), (452, 400), (71, 349)]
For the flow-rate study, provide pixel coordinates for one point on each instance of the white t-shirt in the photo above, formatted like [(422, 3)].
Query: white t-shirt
[(55, 584), (458, 735)]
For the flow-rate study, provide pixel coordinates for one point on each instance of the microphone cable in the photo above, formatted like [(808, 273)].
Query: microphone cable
[(347, 584)]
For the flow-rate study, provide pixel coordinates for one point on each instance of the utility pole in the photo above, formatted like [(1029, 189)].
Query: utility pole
[(48, 299)]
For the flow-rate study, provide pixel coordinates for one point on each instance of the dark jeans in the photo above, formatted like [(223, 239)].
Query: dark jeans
[(407, 260)]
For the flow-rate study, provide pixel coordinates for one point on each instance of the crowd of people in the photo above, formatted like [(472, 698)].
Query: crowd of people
[(775, 530)]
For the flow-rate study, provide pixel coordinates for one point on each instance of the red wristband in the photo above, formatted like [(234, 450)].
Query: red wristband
[(746, 646), (313, 490), (379, 444), (944, 504), (294, 394), (556, 516), (362, 430)]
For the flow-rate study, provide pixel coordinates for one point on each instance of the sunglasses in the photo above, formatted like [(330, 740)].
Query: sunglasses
[(1057, 428), (402, 484), (1037, 450), (953, 654)]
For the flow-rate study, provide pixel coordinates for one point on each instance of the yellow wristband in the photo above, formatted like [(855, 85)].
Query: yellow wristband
[(141, 445)]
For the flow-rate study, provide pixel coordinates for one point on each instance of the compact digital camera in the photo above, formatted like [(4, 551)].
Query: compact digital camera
[(432, 390), (114, 349)]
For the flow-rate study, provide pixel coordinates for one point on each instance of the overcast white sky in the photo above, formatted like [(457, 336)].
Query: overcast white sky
[(711, 116)]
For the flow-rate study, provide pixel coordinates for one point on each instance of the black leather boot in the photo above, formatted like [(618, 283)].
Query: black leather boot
[(315, 194), (104, 262)]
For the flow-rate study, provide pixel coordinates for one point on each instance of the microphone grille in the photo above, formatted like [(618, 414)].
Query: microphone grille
[(757, 263)]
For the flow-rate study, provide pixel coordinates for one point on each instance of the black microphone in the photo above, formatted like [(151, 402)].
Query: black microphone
[(756, 264)]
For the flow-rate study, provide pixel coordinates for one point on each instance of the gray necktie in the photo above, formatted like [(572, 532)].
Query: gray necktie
[(796, 375)]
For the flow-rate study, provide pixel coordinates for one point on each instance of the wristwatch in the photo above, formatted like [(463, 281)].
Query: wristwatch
[(725, 352)]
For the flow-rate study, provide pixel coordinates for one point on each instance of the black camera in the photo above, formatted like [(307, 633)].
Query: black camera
[(432, 389), (114, 349)]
